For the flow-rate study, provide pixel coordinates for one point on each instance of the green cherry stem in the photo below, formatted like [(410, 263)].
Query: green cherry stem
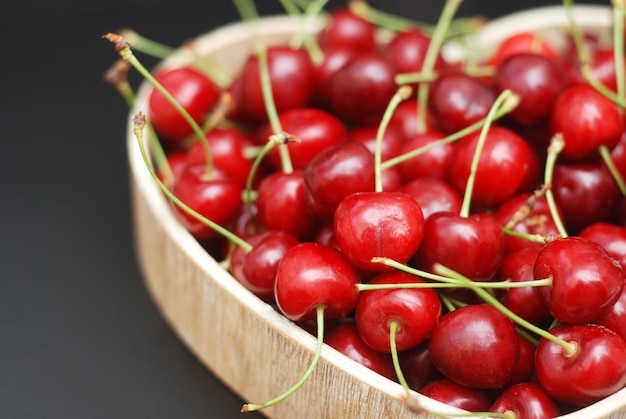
[(249, 407), (556, 146), (490, 299), (403, 93), (394, 326), (139, 122), (147, 46), (123, 48), (469, 187), (430, 59), (504, 109)]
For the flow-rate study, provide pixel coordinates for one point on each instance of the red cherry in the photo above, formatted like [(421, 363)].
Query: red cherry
[(433, 195), (505, 155), (292, 82), (595, 370), (378, 224), (316, 129), (476, 346), (404, 119), (406, 51), (523, 42), (615, 317), (346, 339), (435, 162), (256, 269), (586, 280), (310, 275), (525, 367), (417, 367), (194, 91), (456, 395), (361, 90), (335, 57), (525, 400), (472, 246), (346, 30), (611, 237), (457, 100), (217, 199), (281, 203), (416, 310), (587, 120)]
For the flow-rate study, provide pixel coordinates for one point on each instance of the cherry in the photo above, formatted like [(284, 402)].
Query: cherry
[(587, 120), (523, 42), (375, 224), (586, 280), (415, 310), (526, 400), (281, 203), (615, 317), (366, 134), (404, 119), (407, 49), (472, 246), (456, 395), (525, 367), (433, 195), (505, 155), (291, 75), (434, 162), (611, 237), (217, 199), (416, 366), (346, 339), (194, 91), (360, 90), (311, 275), (256, 269), (476, 346), (596, 368), (586, 193), (316, 129), (457, 100), (536, 79), (335, 57), (346, 30), (337, 172)]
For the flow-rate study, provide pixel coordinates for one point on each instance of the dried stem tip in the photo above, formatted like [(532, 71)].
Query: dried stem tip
[(120, 43)]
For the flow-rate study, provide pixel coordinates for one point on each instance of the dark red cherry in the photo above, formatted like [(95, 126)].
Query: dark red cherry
[(586, 280), (476, 346), (433, 163), (218, 199), (345, 338), (317, 130), (346, 30), (525, 367), (615, 317), (457, 100), (596, 369), (407, 50), (537, 81), (456, 395), (526, 400), (361, 90), (472, 246), (337, 172), (417, 367), (281, 203), (505, 166), (391, 143), (378, 224), (587, 120), (310, 275), (292, 82), (404, 119), (335, 57), (416, 310), (611, 237), (256, 269), (194, 91)]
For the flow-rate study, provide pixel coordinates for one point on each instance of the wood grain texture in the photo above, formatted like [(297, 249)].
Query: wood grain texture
[(252, 348)]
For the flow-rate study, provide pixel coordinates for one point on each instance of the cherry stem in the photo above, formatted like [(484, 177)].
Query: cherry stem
[(556, 146), (488, 298), (430, 59), (304, 35), (273, 141), (525, 209), (605, 153), (123, 48), (403, 93), (117, 76), (394, 326), (139, 122), (506, 108), (420, 76), (535, 238), (249, 407), (443, 281), (147, 46), (469, 187)]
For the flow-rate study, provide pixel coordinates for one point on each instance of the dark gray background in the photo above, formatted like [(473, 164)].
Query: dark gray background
[(80, 337)]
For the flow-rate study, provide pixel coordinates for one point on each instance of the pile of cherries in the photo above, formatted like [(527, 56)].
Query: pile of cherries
[(402, 214)]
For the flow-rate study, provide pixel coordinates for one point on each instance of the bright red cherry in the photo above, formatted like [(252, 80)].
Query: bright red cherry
[(346, 30), (456, 395), (611, 237), (526, 400)]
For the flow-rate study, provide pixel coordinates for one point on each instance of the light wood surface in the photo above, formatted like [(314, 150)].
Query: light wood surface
[(244, 341)]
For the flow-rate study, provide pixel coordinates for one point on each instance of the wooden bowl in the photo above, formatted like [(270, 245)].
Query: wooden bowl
[(251, 347)]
